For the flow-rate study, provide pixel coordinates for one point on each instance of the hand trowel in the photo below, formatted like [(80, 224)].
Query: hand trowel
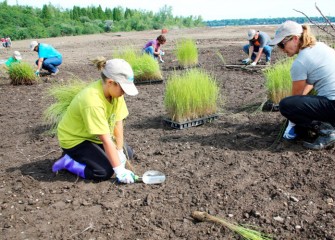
[(151, 177)]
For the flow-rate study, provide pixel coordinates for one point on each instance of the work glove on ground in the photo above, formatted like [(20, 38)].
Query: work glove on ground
[(246, 61), (122, 157), (124, 175), (253, 64), (289, 133)]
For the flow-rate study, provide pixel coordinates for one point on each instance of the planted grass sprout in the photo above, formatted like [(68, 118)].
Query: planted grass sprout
[(191, 95), (22, 74), (187, 53), (144, 66), (278, 80)]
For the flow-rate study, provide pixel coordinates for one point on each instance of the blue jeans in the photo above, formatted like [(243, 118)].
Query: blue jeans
[(50, 64), (266, 50), (304, 110)]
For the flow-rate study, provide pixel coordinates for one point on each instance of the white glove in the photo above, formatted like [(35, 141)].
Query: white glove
[(124, 175), (122, 157), (162, 53), (289, 133), (246, 61), (161, 60), (253, 64)]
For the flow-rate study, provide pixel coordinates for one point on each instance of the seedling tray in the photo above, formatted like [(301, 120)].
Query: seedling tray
[(191, 123), (155, 81), (270, 106)]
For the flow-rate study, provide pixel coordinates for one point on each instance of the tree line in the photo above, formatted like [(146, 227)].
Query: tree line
[(25, 22), (263, 21)]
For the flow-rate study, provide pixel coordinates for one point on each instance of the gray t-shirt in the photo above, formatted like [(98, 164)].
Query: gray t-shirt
[(316, 65), (262, 41)]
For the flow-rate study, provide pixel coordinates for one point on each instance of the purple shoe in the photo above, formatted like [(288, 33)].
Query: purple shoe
[(66, 162)]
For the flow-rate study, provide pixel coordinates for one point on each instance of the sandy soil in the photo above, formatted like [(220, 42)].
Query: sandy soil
[(232, 167)]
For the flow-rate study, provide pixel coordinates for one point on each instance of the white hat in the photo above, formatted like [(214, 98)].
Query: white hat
[(17, 55), (251, 34), (33, 44), (288, 28), (120, 71)]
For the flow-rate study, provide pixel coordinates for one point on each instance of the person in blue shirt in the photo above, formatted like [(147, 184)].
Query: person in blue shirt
[(48, 58)]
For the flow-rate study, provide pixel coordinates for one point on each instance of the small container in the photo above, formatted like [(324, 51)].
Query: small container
[(152, 177)]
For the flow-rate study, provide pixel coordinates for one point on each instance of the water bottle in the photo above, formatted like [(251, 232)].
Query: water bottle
[(152, 177)]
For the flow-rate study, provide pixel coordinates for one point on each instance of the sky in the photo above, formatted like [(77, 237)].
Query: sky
[(208, 9)]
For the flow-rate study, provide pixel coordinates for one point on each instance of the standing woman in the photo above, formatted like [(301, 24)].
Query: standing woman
[(313, 68), (91, 131)]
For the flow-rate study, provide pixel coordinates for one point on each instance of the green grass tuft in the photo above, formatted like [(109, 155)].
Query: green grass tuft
[(63, 95), (144, 66), (187, 53), (22, 73), (278, 80), (191, 95)]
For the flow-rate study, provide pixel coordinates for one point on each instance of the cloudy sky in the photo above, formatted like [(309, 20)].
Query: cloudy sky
[(208, 9)]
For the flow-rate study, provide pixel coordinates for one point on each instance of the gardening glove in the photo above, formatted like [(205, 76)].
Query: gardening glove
[(122, 157), (162, 53), (124, 175), (37, 73), (289, 133), (161, 60), (246, 61), (253, 64)]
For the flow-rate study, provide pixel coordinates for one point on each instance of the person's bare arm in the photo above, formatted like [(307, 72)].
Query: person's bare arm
[(298, 87), (118, 134), (110, 149)]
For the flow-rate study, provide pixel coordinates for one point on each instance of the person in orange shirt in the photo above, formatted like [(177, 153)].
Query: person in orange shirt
[(258, 44)]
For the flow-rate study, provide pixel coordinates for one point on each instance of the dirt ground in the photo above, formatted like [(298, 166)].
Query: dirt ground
[(233, 167)]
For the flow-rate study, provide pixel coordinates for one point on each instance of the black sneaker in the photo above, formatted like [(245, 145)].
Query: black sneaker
[(323, 141)]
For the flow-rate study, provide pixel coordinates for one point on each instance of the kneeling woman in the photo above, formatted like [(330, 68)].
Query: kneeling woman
[(91, 131), (313, 68)]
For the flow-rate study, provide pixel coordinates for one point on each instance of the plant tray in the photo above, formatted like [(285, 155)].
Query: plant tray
[(270, 106), (139, 82), (191, 123)]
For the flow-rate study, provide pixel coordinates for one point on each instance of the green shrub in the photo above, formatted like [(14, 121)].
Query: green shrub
[(187, 53), (22, 74), (63, 94), (144, 66), (278, 80), (191, 95)]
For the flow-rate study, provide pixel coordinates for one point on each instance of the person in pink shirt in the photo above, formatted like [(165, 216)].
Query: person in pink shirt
[(153, 47)]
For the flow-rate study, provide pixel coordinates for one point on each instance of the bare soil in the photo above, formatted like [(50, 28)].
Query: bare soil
[(234, 167)]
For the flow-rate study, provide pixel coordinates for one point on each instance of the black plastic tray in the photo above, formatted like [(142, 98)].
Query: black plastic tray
[(139, 82), (191, 123)]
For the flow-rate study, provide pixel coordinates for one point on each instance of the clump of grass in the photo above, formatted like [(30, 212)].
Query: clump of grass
[(63, 95), (144, 66), (245, 233), (22, 74), (187, 53), (191, 95), (278, 80)]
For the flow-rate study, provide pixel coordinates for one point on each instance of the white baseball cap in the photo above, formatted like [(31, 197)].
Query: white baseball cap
[(17, 55), (251, 34), (33, 44), (288, 28), (121, 72)]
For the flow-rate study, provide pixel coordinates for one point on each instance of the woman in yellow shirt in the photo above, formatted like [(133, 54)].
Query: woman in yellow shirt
[(91, 131)]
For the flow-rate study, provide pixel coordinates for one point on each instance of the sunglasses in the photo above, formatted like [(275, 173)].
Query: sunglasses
[(281, 45)]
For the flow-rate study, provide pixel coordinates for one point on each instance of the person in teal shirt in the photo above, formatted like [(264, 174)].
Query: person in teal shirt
[(48, 57), (14, 59), (91, 130)]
